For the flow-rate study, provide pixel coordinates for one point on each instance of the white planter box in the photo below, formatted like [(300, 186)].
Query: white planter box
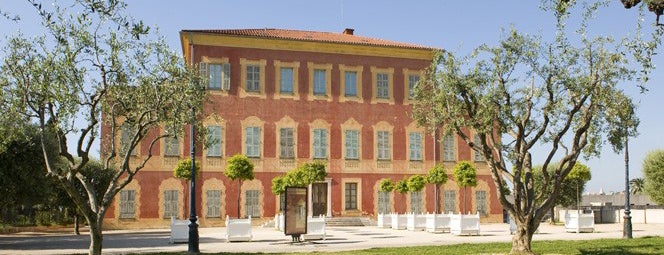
[(416, 222), (398, 221), (438, 223), (315, 228), (279, 222), (238, 229), (179, 231), (465, 224), (580, 223), (384, 220), (513, 227)]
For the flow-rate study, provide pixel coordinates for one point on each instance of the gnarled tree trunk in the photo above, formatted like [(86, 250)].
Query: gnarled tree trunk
[(523, 236)]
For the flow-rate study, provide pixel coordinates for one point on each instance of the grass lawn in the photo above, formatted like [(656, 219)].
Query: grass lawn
[(645, 245)]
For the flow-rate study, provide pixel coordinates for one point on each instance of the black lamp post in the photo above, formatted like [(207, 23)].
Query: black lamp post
[(193, 227), (627, 227)]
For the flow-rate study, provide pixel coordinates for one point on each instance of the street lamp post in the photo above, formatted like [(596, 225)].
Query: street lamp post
[(193, 227), (627, 227)]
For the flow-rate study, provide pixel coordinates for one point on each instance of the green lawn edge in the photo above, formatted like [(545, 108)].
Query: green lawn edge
[(636, 246)]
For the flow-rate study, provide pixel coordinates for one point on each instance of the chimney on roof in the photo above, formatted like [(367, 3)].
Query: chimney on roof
[(348, 31)]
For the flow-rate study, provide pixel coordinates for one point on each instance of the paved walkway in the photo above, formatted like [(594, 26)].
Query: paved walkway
[(270, 240)]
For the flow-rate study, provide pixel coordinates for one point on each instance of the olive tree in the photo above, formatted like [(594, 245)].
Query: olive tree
[(527, 92), (95, 68), (653, 172)]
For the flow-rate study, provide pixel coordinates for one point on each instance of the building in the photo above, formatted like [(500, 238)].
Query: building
[(287, 97)]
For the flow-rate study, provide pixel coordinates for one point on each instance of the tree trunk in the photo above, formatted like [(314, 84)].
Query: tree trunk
[(437, 195), (552, 221), (522, 238), (96, 237), (239, 196), (76, 223)]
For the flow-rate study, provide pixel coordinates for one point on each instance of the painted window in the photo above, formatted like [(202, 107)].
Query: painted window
[(126, 133), (214, 139), (286, 80), (319, 82), (416, 202), (253, 78), (287, 143), (351, 196), (449, 153), (171, 147), (383, 140), (351, 83), (478, 155), (320, 143), (382, 86), (384, 202), (480, 202), (253, 142), (127, 204), (218, 75), (412, 81), (450, 201), (352, 144), (170, 203), (213, 203), (252, 203), (415, 145)]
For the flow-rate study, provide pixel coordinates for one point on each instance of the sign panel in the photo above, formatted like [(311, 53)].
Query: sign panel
[(296, 211)]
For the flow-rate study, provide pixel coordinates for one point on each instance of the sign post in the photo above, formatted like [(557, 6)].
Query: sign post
[(295, 215)]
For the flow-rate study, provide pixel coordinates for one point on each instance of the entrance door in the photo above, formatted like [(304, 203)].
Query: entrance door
[(319, 199)]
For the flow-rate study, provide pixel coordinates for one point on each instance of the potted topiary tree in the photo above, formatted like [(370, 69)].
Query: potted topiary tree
[(465, 176), (399, 221), (437, 222), (384, 218), (415, 219), (437, 177), (180, 228), (239, 168)]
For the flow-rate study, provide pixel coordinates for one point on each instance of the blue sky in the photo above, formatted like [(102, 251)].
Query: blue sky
[(457, 26)]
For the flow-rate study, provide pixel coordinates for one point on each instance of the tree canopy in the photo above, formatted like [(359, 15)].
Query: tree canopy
[(653, 172), (437, 175), (465, 174), (529, 91), (183, 169), (301, 176), (386, 185), (401, 186), (571, 188), (95, 68), (416, 183), (240, 168)]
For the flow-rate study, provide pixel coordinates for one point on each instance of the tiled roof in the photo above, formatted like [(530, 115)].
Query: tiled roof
[(314, 36)]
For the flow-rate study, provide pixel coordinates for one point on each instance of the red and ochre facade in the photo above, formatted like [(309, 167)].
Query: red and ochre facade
[(236, 108)]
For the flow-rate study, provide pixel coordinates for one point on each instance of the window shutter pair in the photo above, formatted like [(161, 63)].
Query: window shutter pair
[(204, 72)]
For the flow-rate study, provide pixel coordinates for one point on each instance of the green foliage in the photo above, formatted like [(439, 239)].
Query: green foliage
[(571, 188), (239, 167), (279, 185), (465, 174), (301, 176), (401, 186), (653, 172), (416, 183), (94, 64), (437, 175), (386, 185), (637, 185), (183, 169)]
